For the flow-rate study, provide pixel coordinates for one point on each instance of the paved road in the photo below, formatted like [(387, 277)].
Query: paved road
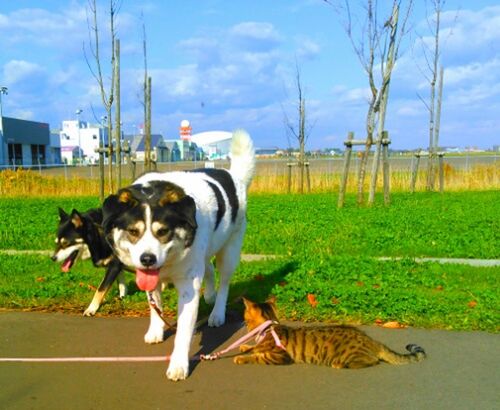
[(461, 372)]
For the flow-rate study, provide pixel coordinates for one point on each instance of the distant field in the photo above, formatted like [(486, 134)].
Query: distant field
[(475, 172)]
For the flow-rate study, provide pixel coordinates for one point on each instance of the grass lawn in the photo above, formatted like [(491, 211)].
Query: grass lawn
[(327, 270)]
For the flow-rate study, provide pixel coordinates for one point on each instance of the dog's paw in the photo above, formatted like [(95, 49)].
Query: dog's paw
[(178, 370), (209, 297), (216, 319), (90, 311), (154, 335), (122, 290)]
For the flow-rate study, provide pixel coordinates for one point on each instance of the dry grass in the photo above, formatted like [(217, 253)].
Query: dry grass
[(479, 177), (267, 180)]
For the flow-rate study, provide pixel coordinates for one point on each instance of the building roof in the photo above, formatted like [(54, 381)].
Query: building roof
[(211, 137), (25, 132), (137, 142)]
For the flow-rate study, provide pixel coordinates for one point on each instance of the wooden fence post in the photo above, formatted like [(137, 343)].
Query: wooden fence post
[(133, 163), (414, 172), (101, 150), (385, 160), (347, 160), (289, 165), (308, 177), (441, 172)]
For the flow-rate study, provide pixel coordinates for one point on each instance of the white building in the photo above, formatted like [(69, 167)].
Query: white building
[(215, 144), (79, 137)]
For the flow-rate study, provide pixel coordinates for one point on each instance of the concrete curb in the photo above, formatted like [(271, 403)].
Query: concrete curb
[(458, 261), (257, 257)]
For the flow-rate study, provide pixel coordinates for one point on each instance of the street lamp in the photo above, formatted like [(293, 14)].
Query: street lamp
[(3, 90), (78, 112)]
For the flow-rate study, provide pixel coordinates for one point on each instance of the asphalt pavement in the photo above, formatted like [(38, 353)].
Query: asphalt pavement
[(461, 371)]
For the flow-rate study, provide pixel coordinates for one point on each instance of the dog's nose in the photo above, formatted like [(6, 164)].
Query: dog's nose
[(148, 259), (53, 257)]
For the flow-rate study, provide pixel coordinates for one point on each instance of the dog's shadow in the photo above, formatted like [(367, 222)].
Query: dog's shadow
[(213, 339)]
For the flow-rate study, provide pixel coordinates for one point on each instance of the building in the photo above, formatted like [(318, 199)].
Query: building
[(215, 144), (266, 152), (79, 140), (54, 149), (174, 150), (159, 149), (24, 143)]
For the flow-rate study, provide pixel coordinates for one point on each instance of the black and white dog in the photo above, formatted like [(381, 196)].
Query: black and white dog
[(167, 226), (80, 236)]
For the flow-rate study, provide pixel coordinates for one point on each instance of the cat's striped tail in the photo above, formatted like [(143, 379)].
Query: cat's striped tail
[(416, 354)]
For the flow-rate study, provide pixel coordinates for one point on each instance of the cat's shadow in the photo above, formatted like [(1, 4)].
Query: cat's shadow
[(214, 339)]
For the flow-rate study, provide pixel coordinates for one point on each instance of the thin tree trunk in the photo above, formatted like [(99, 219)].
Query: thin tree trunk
[(438, 108), (370, 119), (118, 117), (147, 127), (432, 113), (302, 146), (382, 105), (110, 155)]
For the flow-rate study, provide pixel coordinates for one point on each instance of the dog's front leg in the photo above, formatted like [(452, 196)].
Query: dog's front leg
[(189, 295), (156, 325), (114, 269)]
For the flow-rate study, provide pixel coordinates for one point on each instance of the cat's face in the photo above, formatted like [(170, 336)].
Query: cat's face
[(257, 313)]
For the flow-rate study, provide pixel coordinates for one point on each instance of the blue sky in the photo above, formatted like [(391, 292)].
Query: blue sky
[(229, 64)]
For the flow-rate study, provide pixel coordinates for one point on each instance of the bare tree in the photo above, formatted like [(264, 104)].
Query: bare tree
[(107, 96), (376, 43), (147, 103), (299, 131), (432, 56)]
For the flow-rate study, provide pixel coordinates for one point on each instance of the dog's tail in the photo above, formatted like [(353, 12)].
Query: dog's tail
[(242, 157)]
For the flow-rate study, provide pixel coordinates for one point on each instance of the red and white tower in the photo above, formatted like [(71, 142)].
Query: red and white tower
[(185, 130)]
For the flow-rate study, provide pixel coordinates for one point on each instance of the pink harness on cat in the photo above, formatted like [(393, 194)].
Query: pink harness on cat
[(259, 332)]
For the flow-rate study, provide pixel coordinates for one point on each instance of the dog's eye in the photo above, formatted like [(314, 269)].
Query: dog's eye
[(162, 232), (133, 232)]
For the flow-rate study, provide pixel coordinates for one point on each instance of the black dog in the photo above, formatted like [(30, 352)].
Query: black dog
[(80, 236)]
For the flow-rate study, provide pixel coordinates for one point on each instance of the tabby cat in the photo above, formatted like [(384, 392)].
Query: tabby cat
[(331, 345)]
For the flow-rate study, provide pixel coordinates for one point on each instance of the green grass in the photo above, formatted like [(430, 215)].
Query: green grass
[(464, 224), (366, 290), (326, 252)]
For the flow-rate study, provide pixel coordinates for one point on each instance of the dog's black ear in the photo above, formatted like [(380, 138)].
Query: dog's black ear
[(186, 209), (62, 215), (76, 219), (114, 205)]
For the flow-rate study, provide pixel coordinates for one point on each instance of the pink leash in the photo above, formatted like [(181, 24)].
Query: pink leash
[(259, 332)]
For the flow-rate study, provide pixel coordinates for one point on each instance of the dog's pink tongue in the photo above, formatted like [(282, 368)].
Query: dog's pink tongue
[(147, 279), (66, 266)]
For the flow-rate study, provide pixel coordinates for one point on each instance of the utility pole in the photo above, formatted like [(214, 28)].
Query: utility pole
[(78, 112)]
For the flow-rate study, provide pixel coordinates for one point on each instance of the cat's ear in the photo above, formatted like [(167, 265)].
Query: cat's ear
[(271, 300), (248, 303)]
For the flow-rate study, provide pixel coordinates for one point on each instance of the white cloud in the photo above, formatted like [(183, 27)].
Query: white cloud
[(307, 49), (343, 94), (18, 70), (475, 71), (256, 31)]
